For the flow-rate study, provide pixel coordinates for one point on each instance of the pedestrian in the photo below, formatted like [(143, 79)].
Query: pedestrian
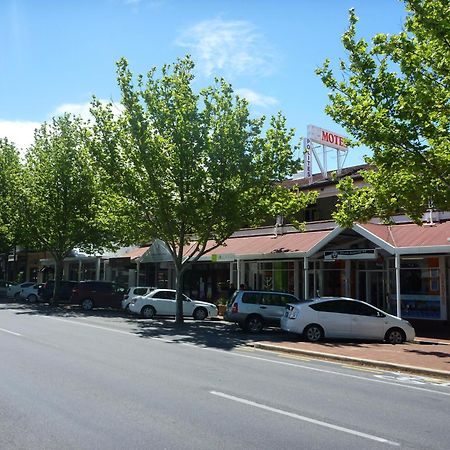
[(231, 290)]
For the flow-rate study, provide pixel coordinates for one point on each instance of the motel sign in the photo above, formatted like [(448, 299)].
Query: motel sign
[(326, 139)]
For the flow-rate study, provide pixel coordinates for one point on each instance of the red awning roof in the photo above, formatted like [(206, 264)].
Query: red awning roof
[(269, 244), (412, 235)]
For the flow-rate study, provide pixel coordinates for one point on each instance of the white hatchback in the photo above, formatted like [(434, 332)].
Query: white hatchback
[(135, 291), (339, 317), (161, 302)]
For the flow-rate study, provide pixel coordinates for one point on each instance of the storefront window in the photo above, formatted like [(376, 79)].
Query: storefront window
[(420, 288), (271, 276)]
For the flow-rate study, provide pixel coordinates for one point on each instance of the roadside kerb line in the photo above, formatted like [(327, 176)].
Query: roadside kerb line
[(10, 332), (350, 359), (305, 419)]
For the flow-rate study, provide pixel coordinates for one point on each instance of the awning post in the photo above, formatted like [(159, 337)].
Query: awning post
[(397, 285)]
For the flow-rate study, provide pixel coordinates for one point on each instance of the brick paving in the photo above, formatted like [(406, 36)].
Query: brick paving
[(425, 353)]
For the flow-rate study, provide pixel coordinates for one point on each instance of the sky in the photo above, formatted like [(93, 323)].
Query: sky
[(56, 54)]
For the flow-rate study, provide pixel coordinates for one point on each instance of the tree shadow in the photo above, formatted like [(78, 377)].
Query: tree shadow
[(214, 333), (425, 353), (63, 310)]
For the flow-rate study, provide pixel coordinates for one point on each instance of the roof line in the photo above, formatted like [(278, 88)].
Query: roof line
[(374, 238)]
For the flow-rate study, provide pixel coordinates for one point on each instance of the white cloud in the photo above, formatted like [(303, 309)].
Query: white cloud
[(234, 47), (19, 132), (256, 99), (82, 109)]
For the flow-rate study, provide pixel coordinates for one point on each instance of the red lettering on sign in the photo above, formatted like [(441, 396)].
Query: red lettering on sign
[(333, 138)]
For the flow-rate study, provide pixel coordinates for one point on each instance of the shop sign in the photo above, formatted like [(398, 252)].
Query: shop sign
[(222, 257), (327, 138), (358, 253)]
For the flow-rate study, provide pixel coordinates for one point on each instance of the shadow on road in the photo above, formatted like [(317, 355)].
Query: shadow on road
[(213, 333)]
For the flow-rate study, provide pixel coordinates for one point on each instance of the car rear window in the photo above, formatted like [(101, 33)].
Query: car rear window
[(139, 291), (333, 306)]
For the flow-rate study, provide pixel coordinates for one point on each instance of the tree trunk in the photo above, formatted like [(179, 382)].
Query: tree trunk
[(59, 264), (179, 272)]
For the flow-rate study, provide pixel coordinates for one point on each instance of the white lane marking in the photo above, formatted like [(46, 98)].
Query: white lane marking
[(298, 366), (304, 418), (10, 332), (331, 372)]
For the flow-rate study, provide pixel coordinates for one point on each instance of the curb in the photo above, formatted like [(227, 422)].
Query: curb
[(430, 341), (356, 361)]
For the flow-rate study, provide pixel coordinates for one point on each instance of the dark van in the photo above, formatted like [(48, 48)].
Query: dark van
[(46, 291), (97, 294)]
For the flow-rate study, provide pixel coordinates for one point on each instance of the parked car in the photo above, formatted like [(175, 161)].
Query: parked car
[(13, 291), (339, 317), (161, 302), (30, 293), (253, 310), (4, 285), (97, 294), (133, 292), (46, 292)]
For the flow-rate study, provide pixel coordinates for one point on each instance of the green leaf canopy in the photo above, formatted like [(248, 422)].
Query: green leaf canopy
[(394, 97)]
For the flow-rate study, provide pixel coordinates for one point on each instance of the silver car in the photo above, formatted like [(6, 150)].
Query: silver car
[(253, 310), (339, 317)]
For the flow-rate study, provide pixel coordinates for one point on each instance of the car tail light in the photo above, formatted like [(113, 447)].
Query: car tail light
[(234, 308)]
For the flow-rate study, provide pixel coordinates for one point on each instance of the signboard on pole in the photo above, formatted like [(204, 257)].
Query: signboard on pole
[(308, 158), (327, 138)]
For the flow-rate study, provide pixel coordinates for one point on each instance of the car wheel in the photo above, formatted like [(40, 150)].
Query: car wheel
[(32, 298), (148, 312), (200, 314), (313, 333), (254, 324), (395, 336), (87, 304)]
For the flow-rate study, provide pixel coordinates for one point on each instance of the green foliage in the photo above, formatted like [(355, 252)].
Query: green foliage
[(62, 201), (395, 98), (191, 166), (10, 173)]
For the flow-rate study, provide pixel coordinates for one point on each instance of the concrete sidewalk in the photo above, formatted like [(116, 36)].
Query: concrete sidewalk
[(426, 356)]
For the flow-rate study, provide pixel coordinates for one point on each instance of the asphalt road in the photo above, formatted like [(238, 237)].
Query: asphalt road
[(70, 380)]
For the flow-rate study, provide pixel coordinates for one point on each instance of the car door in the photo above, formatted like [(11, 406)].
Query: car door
[(116, 297), (274, 305), (188, 306), (164, 303), (333, 316), (367, 322), (101, 293)]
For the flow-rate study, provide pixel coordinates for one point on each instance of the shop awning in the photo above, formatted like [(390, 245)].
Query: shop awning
[(297, 244), (408, 238)]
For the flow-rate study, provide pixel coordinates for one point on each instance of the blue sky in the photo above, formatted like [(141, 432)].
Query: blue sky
[(56, 54)]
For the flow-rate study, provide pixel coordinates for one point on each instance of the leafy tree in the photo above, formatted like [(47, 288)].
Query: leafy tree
[(10, 171), (395, 98), (191, 167), (63, 202)]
